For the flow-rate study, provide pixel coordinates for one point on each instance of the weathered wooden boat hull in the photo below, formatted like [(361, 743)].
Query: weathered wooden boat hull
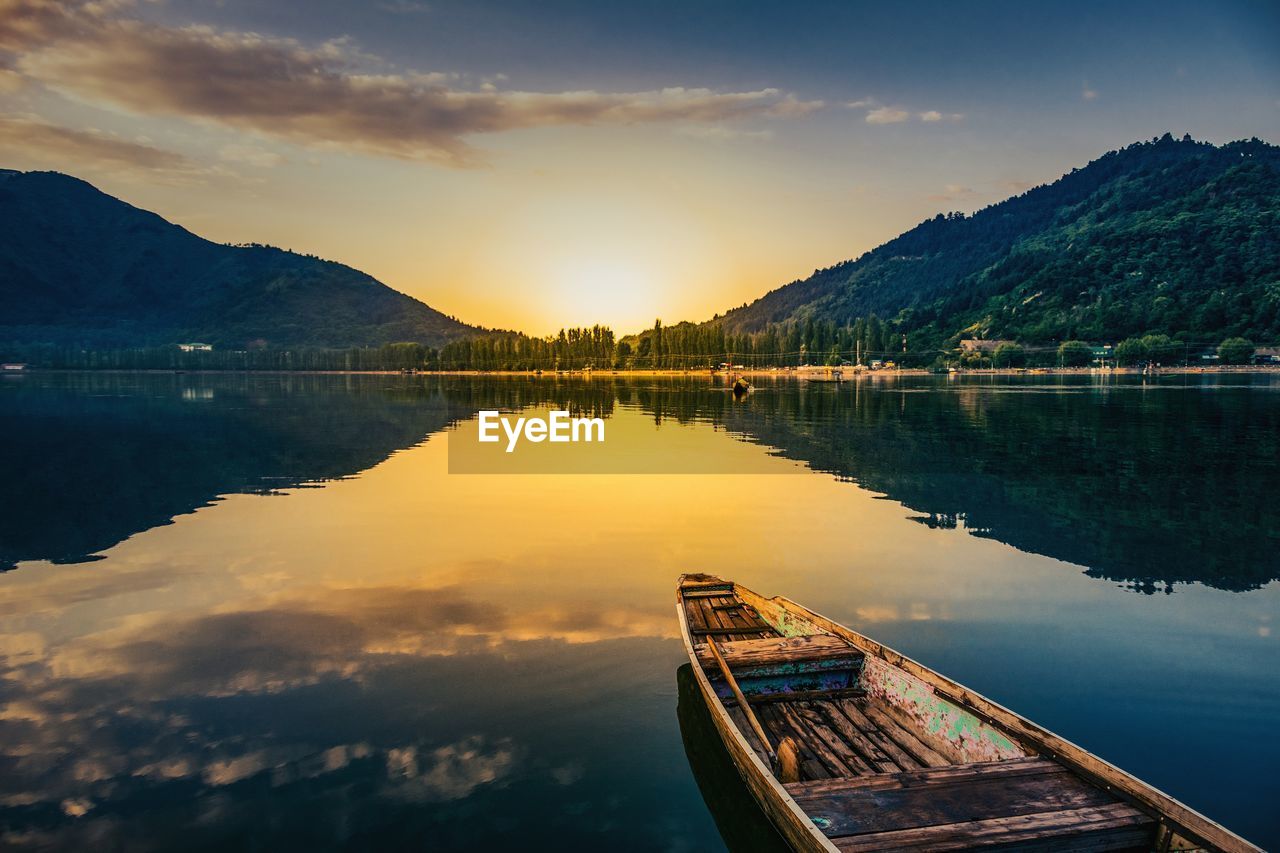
[(792, 823), (1056, 795)]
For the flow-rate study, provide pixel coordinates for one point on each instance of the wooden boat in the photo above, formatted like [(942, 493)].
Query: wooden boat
[(848, 745)]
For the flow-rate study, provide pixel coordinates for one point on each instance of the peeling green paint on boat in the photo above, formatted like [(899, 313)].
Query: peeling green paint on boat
[(969, 736), (788, 624)]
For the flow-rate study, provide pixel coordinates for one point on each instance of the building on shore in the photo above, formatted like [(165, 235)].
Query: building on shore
[(195, 347)]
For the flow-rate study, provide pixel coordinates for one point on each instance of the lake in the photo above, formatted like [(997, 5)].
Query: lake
[(257, 612)]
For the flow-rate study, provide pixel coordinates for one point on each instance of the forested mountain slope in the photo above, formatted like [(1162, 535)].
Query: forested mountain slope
[(1171, 236)]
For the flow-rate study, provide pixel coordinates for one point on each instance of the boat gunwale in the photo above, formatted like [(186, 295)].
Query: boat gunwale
[(726, 723), (1185, 821)]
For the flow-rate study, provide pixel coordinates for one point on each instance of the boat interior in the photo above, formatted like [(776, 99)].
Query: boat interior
[(883, 762)]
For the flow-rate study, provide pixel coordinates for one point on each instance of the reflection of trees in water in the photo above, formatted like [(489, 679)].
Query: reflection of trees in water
[(93, 458), (1146, 485), (1140, 484)]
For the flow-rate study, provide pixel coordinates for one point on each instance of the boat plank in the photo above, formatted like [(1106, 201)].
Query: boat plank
[(800, 695), (932, 775), (733, 613), (900, 735), (870, 752), (740, 720), (815, 744), (860, 721), (1112, 827), (714, 619), (694, 615), (810, 765), (832, 739), (859, 811), (769, 650)]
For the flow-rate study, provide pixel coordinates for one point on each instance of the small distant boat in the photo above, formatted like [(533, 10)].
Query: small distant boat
[(847, 745)]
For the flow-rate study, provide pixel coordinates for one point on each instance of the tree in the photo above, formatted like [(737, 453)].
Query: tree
[(622, 356), (1074, 354), (1131, 351), (1235, 351), (1160, 348), (1009, 355)]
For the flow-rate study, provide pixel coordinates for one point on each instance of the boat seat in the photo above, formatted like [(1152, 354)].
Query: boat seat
[(1023, 804), (774, 650)]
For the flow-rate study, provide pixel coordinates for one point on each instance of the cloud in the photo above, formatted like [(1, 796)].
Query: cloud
[(38, 141), (721, 132), (1088, 94), (251, 155), (10, 81), (880, 114), (954, 192), (934, 116), (1018, 186), (330, 95), (887, 115)]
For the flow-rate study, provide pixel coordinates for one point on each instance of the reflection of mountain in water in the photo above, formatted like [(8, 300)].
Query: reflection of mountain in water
[(92, 458), (1143, 484)]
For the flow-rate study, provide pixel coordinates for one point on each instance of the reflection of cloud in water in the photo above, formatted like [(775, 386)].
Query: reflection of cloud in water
[(70, 718), (56, 591), (325, 632), (449, 772)]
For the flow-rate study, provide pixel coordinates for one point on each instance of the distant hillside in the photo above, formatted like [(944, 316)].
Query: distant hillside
[(1177, 237), (80, 267)]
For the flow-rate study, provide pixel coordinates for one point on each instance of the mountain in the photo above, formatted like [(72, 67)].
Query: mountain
[(78, 266), (1168, 236)]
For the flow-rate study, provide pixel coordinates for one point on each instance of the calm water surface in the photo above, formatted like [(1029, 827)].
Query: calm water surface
[(258, 612)]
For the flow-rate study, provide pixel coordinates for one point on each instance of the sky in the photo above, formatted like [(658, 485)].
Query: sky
[(532, 165)]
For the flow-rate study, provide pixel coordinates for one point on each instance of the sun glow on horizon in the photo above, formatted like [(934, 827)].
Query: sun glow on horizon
[(616, 258)]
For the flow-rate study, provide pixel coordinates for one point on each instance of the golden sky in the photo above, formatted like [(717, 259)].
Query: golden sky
[(524, 168)]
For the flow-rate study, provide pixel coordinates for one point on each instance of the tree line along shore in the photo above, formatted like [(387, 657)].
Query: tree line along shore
[(868, 344)]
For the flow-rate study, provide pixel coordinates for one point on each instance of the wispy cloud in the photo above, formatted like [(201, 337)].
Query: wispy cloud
[(1087, 93), (327, 95), (887, 115), (878, 113), (41, 142), (251, 155), (722, 132), (955, 192)]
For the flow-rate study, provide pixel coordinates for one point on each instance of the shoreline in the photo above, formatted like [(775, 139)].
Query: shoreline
[(818, 374)]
